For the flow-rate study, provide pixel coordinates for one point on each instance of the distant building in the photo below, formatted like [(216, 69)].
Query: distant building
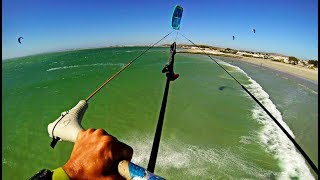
[(258, 55), (241, 53), (279, 58), (244, 53)]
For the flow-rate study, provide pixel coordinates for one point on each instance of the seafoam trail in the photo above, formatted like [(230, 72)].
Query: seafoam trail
[(77, 66), (195, 162), (272, 138)]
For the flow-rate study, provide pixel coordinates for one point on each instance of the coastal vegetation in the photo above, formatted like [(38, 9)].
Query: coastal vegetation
[(293, 60), (278, 60), (247, 55), (313, 62), (228, 50)]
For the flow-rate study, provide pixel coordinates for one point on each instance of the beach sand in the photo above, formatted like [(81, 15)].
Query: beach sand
[(295, 70)]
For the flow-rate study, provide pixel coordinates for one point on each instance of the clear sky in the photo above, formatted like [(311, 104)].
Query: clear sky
[(289, 27)]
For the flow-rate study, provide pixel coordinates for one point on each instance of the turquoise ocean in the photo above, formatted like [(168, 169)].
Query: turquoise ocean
[(212, 128)]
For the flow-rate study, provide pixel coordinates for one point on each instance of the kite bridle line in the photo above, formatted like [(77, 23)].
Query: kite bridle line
[(313, 166), (170, 77), (176, 36), (124, 67), (56, 139)]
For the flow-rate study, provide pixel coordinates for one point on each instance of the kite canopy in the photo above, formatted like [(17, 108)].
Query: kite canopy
[(19, 39), (176, 17)]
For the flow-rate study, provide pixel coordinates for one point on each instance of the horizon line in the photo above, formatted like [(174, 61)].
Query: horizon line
[(165, 44)]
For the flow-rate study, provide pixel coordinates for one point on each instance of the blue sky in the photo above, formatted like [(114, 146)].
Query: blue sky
[(289, 27)]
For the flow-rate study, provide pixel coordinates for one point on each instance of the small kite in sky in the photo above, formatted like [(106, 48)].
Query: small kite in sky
[(19, 39)]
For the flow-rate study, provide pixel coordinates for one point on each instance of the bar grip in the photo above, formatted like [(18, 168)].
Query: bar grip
[(67, 127)]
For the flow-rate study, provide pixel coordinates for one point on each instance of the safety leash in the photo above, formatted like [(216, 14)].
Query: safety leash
[(171, 76)]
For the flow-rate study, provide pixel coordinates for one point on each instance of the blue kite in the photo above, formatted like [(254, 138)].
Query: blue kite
[(176, 17)]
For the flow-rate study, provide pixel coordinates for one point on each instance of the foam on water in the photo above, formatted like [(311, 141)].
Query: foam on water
[(96, 64), (272, 138), (193, 161), (8, 163), (245, 139)]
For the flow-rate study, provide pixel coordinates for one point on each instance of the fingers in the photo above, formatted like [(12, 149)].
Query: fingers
[(80, 135), (100, 132), (90, 131), (113, 177), (83, 133), (121, 151)]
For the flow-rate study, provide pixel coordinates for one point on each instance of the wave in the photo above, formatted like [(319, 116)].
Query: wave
[(307, 88), (96, 64), (271, 136)]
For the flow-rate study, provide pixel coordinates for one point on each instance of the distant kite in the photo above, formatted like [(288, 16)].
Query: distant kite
[(19, 39), (232, 37), (254, 30)]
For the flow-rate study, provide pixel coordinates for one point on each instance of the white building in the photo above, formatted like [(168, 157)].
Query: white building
[(256, 55), (276, 57), (242, 53)]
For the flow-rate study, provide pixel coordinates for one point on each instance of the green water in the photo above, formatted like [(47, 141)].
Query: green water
[(297, 102), (209, 130)]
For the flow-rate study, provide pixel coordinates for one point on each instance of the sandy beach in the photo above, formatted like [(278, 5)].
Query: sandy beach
[(295, 70)]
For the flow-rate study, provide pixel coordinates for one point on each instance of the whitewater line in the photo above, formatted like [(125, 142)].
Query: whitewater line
[(272, 138), (76, 66)]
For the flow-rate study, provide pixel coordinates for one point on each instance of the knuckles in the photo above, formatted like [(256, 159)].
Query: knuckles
[(90, 131), (100, 132), (108, 139)]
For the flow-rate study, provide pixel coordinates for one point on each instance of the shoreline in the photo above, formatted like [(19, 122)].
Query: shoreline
[(302, 73), (312, 85)]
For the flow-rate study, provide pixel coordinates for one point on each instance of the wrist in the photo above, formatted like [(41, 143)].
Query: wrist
[(71, 170)]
